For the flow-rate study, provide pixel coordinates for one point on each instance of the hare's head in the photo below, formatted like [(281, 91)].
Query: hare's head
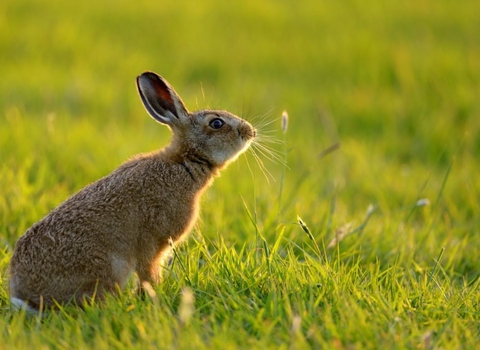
[(212, 136)]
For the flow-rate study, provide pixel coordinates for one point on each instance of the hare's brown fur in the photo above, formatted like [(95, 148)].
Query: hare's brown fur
[(123, 223)]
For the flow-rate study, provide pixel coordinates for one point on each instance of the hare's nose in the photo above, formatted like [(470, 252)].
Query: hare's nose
[(250, 133)]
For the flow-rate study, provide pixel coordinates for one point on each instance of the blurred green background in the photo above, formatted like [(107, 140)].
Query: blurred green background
[(395, 83)]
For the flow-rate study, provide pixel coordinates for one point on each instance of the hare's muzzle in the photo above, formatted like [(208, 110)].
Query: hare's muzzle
[(247, 131)]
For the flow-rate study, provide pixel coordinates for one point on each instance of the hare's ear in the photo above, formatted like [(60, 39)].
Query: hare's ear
[(160, 99)]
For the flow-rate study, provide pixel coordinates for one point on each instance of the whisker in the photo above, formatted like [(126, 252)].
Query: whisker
[(262, 116), (250, 168), (265, 123), (266, 133), (262, 166), (275, 158), (259, 166), (268, 148), (263, 147), (270, 139)]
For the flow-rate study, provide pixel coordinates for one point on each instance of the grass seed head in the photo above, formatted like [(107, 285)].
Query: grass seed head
[(187, 305), (423, 202), (305, 228), (284, 121)]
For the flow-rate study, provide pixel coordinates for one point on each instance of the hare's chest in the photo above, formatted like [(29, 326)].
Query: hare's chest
[(183, 218), (172, 218)]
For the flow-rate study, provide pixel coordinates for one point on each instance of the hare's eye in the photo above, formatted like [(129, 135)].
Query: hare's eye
[(217, 123)]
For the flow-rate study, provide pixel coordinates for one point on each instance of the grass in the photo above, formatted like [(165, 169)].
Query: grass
[(395, 84)]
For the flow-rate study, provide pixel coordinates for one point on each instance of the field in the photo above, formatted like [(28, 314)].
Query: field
[(362, 232)]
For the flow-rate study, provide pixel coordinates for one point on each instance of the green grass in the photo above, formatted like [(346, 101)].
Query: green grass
[(396, 84)]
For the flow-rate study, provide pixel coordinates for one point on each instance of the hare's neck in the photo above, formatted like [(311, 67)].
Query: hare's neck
[(201, 170)]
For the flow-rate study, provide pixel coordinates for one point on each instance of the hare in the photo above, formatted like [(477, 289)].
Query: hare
[(91, 243)]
